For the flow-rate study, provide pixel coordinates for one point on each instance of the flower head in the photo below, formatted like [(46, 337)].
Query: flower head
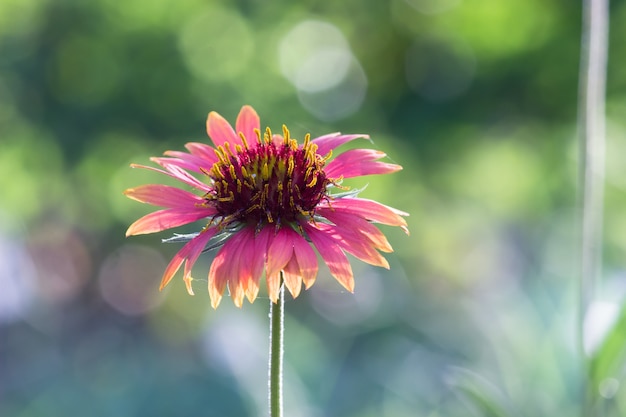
[(266, 200)]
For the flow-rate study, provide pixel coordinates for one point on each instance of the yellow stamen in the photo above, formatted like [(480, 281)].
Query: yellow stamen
[(265, 172), (291, 165), (221, 155), (227, 147), (243, 140)]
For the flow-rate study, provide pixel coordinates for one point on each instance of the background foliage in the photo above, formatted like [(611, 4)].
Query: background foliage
[(476, 99)]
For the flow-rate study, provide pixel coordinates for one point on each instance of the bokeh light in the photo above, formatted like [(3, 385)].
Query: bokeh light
[(316, 58)]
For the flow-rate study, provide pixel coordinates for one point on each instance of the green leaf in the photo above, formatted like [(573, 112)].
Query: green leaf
[(480, 395)]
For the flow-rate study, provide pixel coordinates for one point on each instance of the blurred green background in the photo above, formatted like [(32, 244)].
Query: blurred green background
[(475, 98)]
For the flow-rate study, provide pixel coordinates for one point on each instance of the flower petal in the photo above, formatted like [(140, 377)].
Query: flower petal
[(353, 222), (235, 279), (220, 131), (334, 257), (247, 121), (359, 162), (164, 196), (193, 254), (255, 251), (190, 251), (227, 268), (176, 173), (188, 161), (292, 277), (354, 243), (329, 142), (307, 260), (369, 210), (279, 252), (202, 150), (219, 272), (167, 219)]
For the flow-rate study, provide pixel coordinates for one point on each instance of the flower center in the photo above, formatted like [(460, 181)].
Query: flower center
[(274, 181)]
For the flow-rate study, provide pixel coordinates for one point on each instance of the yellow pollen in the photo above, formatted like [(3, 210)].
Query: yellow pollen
[(291, 166), (231, 197), (243, 140), (221, 155), (280, 191), (307, 139), (227, 147), (257, 132), (233, 174), (265, 172), (205, 171), (268, 135), (285, 135)]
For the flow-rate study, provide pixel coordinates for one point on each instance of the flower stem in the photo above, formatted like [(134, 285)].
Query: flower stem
[(277, 327), (591, 119)]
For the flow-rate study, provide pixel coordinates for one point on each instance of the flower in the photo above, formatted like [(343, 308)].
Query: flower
[(265, 199)]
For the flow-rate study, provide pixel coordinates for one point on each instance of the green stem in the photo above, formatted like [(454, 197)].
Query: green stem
[(592, 139), (277, 327)]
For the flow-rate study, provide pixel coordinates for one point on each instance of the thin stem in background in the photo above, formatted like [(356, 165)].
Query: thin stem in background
[(277, 328), (591, 120)]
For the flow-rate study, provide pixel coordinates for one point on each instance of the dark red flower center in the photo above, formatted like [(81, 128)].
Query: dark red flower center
[(275, 180)]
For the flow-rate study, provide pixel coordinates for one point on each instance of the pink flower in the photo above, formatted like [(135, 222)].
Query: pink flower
[(265, 199)]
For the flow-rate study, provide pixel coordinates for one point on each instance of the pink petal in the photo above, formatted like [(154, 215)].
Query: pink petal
[(233, 271), (188, 161), (164, 196), (247, 121), (370, 210), (191, 250), (167, 219), (181, 163), (242, 268), (279, 252), (202, 150), (352, 242), (359, 162), (193, 254), (329, 142), (307, 260), (255, 251), (176, 173), (220, 131), (358, 224), (219, 272), (334, 257), (224, 269), (292, 277)]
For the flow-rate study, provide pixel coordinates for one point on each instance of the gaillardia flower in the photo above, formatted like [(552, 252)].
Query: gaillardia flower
[(265, 199)]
